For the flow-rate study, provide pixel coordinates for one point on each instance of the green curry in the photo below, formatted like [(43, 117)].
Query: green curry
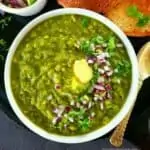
[(70, 75)]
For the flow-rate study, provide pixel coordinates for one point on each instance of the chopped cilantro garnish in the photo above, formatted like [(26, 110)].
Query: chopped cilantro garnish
[(123, 68), (3, 48), (84, 124), (95, 77), (30, 2), (111, 43), (2, 43), (97, 40), (142, 20), (75, 114), (4, 22), (85, 22), (86, 47)]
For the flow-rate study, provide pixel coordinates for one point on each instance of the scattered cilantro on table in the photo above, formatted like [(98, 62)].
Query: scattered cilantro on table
[(4, 21), (142, 19), (3, 47)]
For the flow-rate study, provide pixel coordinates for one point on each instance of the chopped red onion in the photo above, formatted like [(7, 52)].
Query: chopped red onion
[(102, 71), (61, 110), (98, 46), (99, 87), (17, 3), (57, 86), (119, 45), (108, 87), (71, 119), (78, 105), (101, 56), (49, 97), (65, 115), (101, 106), (92, 114), (56, 110), (65, 126), (101, 79), (95, 99), (21, 3), (101, 98), (109, 73), (56, 120), (106, 55), (90, 61), (91, 58), (101, 61), (67, 109), (84, 102), (109, 96), (72, 103), (89, 105), (106, 68)]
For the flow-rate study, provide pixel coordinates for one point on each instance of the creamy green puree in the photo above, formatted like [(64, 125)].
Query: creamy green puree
[(48, 89)]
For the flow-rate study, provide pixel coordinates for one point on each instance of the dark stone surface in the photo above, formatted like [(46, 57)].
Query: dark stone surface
[(15, 137)]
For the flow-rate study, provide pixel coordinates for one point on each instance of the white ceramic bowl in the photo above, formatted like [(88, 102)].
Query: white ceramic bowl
[(92, 135), (26, 11)]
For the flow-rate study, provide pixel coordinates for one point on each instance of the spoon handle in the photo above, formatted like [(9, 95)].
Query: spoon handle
[(116, 138)]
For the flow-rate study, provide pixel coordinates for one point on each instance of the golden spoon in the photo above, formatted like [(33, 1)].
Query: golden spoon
[(143, 56)]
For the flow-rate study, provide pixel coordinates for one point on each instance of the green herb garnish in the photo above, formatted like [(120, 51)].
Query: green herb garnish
[(86, 47), (111, 43), (132, 11), (3, 48), (85, 22), (123, 68), (2, 43), (84, 124), (97, 40), (4, 22), (95, 77), (30, 2)]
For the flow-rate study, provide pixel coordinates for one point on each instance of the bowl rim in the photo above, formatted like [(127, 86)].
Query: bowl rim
[(131, 98), (19, 10)]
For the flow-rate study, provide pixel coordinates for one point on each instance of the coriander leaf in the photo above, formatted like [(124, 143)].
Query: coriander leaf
[(84, 124), (2, 43), (86, 47), (4, 22), (85, 22), (111, 43), (143, 21), (79, 113), (30, 2), (123, 68), (132, 11), (95, 77), (97, 40)]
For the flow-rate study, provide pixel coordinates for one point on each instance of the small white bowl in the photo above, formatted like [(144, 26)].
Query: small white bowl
[(26, 11), (94, 134)]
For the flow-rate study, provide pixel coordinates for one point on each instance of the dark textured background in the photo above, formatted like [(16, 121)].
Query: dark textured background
[(17, 137)]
